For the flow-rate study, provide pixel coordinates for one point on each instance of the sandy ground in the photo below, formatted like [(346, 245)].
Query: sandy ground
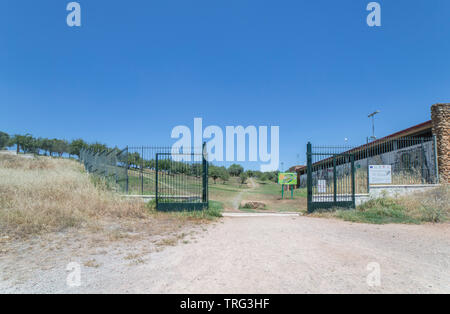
[(247, 255)]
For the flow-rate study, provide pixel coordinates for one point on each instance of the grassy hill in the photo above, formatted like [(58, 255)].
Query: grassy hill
[(44, 194)]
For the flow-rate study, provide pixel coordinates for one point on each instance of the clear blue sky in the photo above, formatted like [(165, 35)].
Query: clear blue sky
[(135, 69)]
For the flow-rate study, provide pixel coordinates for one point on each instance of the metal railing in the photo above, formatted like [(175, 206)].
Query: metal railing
[(133, 170), (109, 164), (413, 160)]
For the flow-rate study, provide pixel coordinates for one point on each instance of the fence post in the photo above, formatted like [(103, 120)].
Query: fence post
[(127, 169), (353, 180), (436, 165), (367, 158), (309, 176), (334, 179), (205, 176), (142, 171), (156, 180)]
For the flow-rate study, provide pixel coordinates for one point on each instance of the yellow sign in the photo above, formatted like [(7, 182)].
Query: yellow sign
[(288, 178)]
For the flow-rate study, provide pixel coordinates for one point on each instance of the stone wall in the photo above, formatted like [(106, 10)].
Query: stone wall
[(440, 116), (377, 191)]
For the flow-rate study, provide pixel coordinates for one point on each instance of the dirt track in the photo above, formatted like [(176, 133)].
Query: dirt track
[(267, 255)]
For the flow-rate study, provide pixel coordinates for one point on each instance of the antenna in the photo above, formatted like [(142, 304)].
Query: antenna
[(372, 115)]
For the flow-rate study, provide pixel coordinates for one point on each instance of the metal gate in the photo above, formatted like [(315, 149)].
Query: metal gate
[(181, 181), (330, 177)]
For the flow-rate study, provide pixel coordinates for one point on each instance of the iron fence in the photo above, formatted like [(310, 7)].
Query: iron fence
[(335, 173), (166, 174), (109, 164), (330, 177)]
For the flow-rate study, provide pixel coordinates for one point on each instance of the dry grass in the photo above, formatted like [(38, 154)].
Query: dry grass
[(44, 194), (431, 206)]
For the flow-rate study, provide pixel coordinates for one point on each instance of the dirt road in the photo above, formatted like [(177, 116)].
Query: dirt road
[(266, 255)]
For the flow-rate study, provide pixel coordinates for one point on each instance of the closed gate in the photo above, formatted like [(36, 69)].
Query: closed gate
[(330, 177), (181, 181)]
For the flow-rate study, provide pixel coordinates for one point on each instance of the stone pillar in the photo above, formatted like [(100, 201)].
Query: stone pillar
[(440, 116)]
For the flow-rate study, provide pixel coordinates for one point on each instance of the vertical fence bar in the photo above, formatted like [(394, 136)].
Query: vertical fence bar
[(142, 170), (309, 176), (367, 156), (352, 158), (126, 170), (156, 180), (205, 176), (334, 180)]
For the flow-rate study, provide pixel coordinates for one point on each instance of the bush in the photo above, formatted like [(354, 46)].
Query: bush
[(432, 206), (435, 205), (378, 211)]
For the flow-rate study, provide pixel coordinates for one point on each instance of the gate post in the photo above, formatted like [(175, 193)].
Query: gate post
[(142, 171), (309, 176), (127, 168), (367, 168), (156, 182), (334, 180), (205, 176), (353, 180)]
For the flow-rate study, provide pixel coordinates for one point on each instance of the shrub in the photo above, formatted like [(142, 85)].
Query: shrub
[(435, 205)]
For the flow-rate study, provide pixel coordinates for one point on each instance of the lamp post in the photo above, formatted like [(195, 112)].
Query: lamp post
[(372, 115)]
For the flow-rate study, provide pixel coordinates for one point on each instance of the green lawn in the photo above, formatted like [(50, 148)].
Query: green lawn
[(267, 192)]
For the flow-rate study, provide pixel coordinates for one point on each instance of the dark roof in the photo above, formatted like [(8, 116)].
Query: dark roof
[(414, 130)]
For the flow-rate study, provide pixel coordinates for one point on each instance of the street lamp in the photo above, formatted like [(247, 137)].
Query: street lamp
[(372, 115)]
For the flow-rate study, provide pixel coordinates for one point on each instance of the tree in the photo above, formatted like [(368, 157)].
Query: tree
[(235, 170), (134, 160), (46, 145), (218, 173), (263, 176), (243, 177), (224, 175), (251, 173), (39, 144), (76, 146), (25, 142), (98, 147), (60, 147), (4, 140), (214, 172), (52, 146), (273, 176)]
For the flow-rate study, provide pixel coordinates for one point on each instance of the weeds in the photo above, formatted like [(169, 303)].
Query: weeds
[(43, 194), (432, 206), (214, 211)]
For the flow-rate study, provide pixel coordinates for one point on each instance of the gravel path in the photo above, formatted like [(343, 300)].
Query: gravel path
[(269, 255)]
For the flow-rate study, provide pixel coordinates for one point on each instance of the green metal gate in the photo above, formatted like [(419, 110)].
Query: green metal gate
[(330, 177), (181, 181)]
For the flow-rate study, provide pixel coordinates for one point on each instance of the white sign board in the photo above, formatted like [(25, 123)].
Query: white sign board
[(380, 174), (322, 186)]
